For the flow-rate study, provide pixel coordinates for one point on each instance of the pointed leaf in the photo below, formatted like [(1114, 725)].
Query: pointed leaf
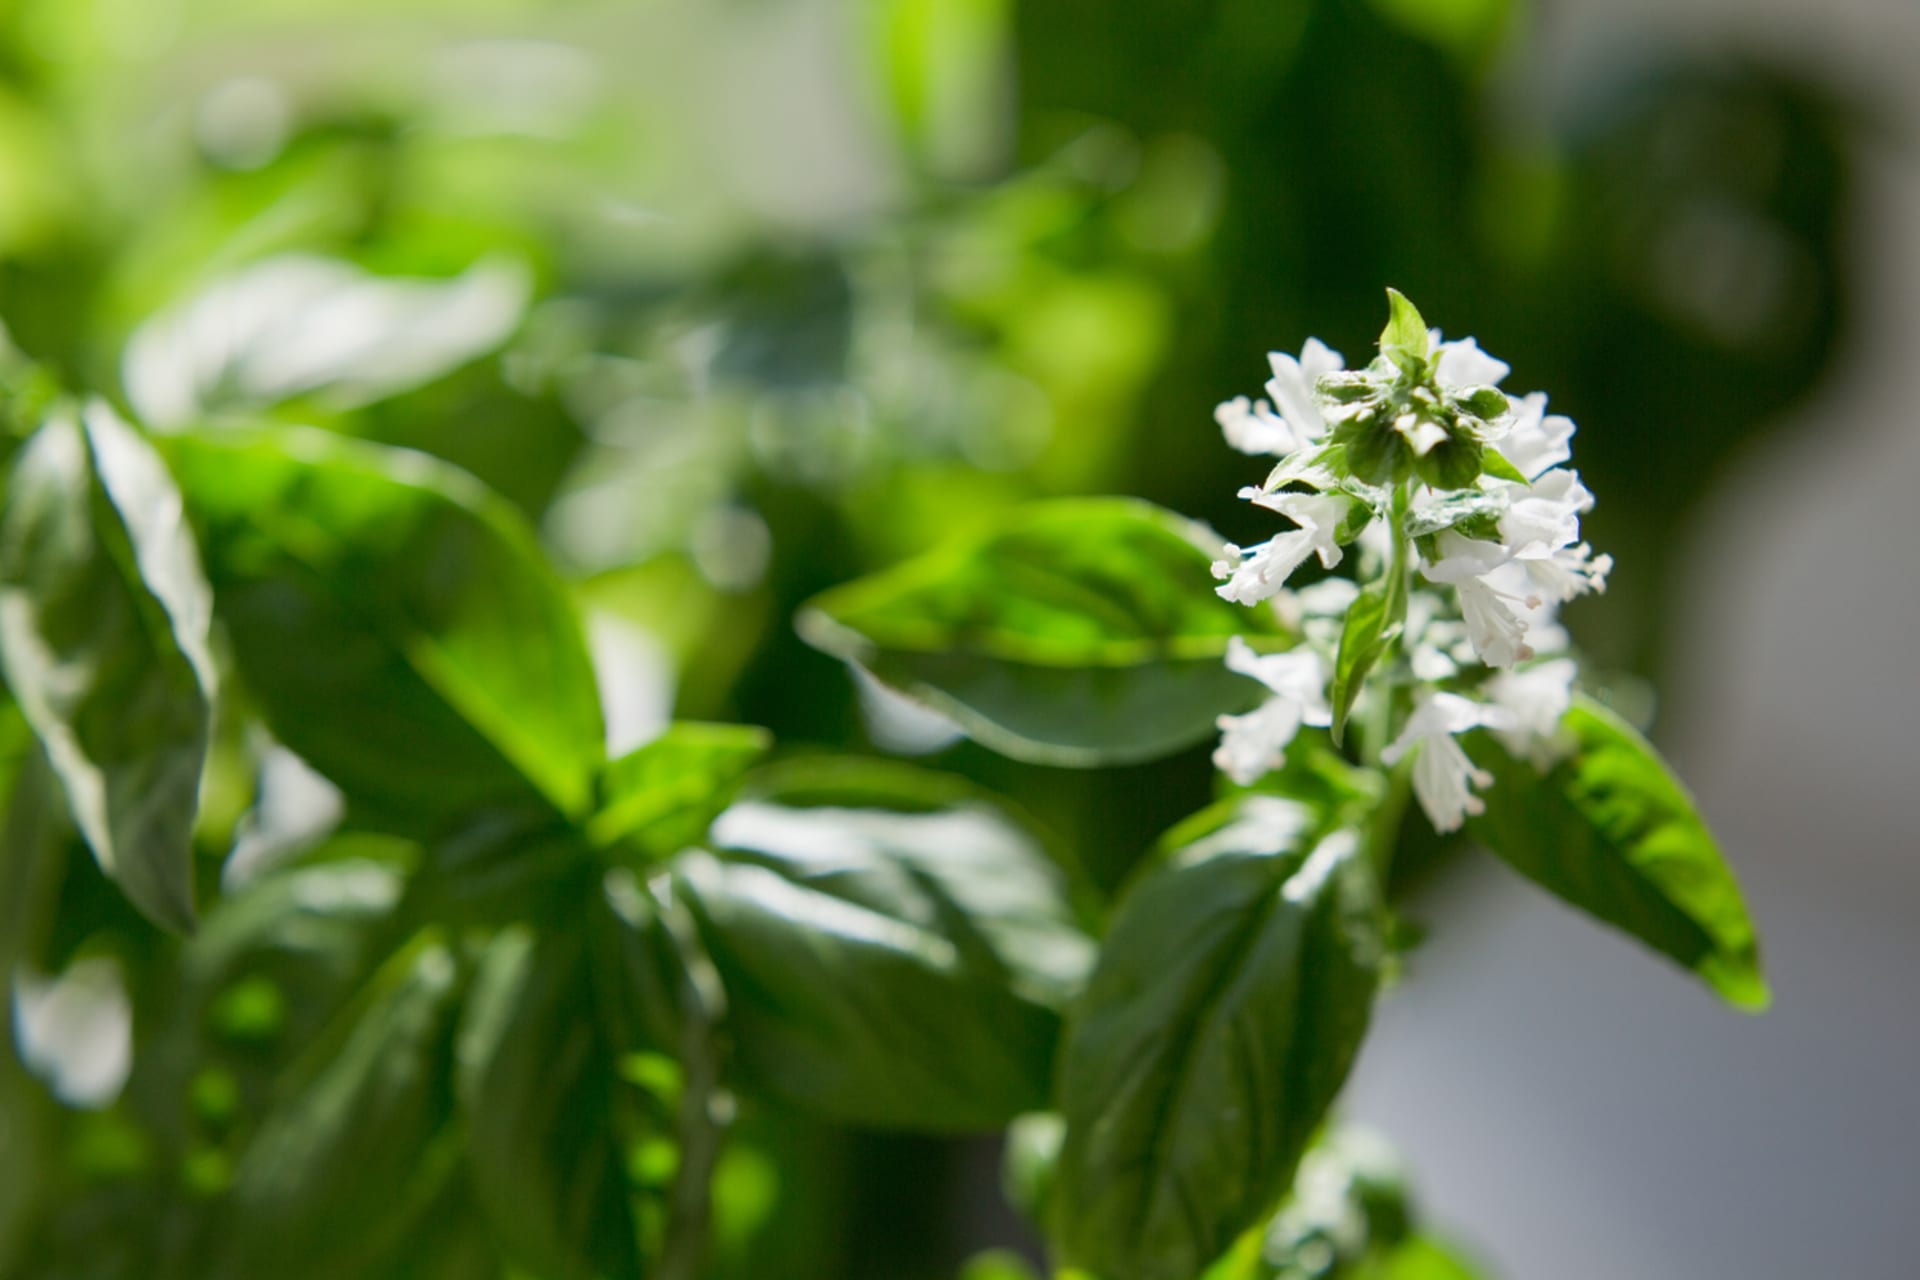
[(103, 631), (536, 1082), (399, 624), (1373, 624), (1230, 998), (662, 796), (1080, 632), (1612, 831), (346, 1162), (1405, 340)]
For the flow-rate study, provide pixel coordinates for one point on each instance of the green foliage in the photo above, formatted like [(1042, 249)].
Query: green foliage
[(1610, 830), (536, 1083), (1231, 995), (103, 632), (1372, 626), (1076, 633), (396, 621), (662, 796), (887, 968)]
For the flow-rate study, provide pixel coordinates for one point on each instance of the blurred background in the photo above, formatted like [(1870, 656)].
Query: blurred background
[(738, 299)]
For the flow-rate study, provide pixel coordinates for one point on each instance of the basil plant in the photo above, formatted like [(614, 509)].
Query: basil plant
[(1237, 971), (484, 991)]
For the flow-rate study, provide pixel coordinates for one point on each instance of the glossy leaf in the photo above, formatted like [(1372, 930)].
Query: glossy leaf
[(663, 795), (1079, 632), (341, 1166), (1373, 624), (103, 630), (1230, 998), (891, 969), (536, 1083), (1612, 831), (398, 623)]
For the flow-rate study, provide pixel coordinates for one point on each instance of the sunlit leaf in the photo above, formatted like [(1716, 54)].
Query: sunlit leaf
[(663, 795), (103, 631), (1612, 831), (1078, 632), (399, 625)]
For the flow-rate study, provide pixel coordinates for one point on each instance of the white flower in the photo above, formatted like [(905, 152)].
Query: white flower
[(1443, 776), (1251, 426), (1532, 701), (1497, 633), (1431, 638), (1422, 433), (1292, 386), (1463, 364), (1536, 439), (1255, 743), (1558, 575), (1257, 573), (1545, 515)]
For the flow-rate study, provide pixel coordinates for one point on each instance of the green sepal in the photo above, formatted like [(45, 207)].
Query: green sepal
[(1484, 403), (1494, 463), (1405, 340)]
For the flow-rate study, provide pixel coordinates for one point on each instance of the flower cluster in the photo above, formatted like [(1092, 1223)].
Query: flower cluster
[(1465, 524)]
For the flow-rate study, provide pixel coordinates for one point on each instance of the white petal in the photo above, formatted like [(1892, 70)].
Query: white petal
[(1264, 569), (1533, 701), (1251, 426), (1498, 634), (1291, 388), (1464, 364), (1536, 440), (1255, 744)]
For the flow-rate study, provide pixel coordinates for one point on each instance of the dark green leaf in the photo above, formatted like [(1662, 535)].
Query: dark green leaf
[(1080, 632), (894, 969), (663, 795), (349, 1157), (399, 625), (1405, 341), (1373, 624), (103, 631), (536, 1082), (1612, 831), (1230, 997)]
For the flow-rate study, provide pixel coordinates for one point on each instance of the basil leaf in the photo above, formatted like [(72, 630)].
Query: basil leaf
[(355, 1151), (890, 969), (662, 796), (103, 631), (1612, 831), (399, 625), (1231, 995), (536, 1085), (1080, 632)]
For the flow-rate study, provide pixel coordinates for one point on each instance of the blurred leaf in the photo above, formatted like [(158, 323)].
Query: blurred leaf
[(346, 1161), (1079, 632), (1613, 832), (1231, 995), (103, 631), (663, 796), (300, 324), (998, 1264), (536, 1088), (889, 969), (1422, 1258), (1028, 1164), (399, 625)]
